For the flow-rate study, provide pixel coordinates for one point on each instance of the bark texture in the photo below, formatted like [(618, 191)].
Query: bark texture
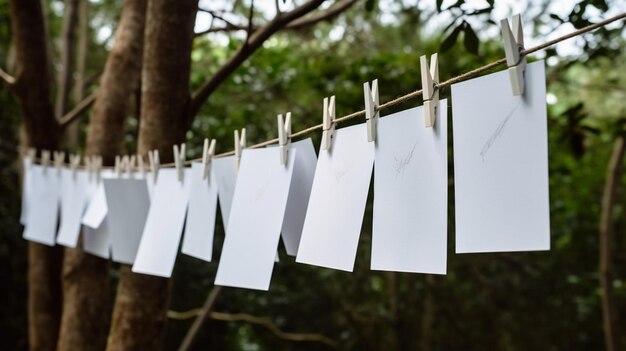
[(40, 130), (141, 303), (119, 80), (86, 281)]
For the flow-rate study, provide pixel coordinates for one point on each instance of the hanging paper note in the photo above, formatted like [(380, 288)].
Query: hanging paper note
[(335, 213), (256, 219), (225, 169), (26, 164), (411, 193), (200, 224), (501, 164), (43, 206), (164, 224), (128, 203), (97, 241), (75, 193), (299, 193)]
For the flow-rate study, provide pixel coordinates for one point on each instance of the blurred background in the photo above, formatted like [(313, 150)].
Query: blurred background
[(506, 301)]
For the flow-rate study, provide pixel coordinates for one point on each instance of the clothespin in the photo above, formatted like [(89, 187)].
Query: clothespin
[(89, 166), (74, 163), (371, 108), (179, 160), (284, 136), (208, 151), (153, 157), (513, 47), (141, 166), (120, 162), (59, 157), (328, 124), (97, 166), (240, 144), (45, 160), (30, 153), (130, 164), (430, 92)]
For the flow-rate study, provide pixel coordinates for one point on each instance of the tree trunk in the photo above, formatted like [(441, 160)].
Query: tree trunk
[(613, 175), (39, 130), (68, 42), (72, 129), (141, 303), (86, 286)]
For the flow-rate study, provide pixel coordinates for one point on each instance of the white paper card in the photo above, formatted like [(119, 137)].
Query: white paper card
[(335, 214), (96, 208), (74, 195), (26, 163), (259, 202), (128, 203), (299, 193), (501, 164), (43, 205), (164, 224), (200, 224), (97, 241), (410, 221), (225, 169)]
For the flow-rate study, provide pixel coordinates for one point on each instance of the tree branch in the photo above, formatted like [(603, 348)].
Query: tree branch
[(78, 109), (265, 322), (9, 79), (613, 175), (255, 41), (70, 20), (303, 22), (201, 316)]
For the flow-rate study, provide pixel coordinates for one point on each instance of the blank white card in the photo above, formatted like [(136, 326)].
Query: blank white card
[(255, 220), (501, 163), (200, 224), (43, 205), (164, 224), (335, 214), (411, 193), (128, 203)]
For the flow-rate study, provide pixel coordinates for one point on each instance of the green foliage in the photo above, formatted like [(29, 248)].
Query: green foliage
[(518, 301)]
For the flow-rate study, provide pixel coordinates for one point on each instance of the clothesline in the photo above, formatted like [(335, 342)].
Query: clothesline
[(465, 76)]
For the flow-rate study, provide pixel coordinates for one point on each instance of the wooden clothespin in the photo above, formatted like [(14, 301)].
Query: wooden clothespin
[(118, 160), (45, 160), (130, 165), (74, 163), (208, 151), (328, 124), (153, 157), (513, 47), (371, 108), (179, 160), (31, 153), (59, 157), (430, 92), (97, 166), (141, 166), (240, 144), (89, 166), (284, 136)]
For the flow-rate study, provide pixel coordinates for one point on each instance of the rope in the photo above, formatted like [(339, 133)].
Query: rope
[(465, 76)]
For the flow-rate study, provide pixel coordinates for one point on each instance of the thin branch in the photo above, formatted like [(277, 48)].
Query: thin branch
[(78, 109), (264, 322), (201, 315), (68, 46), (303, 22), (607, 229), (250, 26), (9, 79), (277, 7), (255, 41)]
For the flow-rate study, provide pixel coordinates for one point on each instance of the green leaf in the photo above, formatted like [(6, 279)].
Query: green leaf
[(470, 39), (451, 39), (370, 5)]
